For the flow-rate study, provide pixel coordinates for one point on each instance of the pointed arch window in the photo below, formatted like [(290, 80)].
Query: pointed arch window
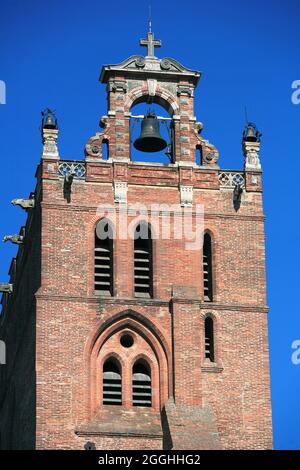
[(112, 382), (143, 269), (104, 258), (207, 269), (141, 384), (209, 339)]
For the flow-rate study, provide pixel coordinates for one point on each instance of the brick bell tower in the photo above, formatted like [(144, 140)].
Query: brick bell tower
[(138, 342)]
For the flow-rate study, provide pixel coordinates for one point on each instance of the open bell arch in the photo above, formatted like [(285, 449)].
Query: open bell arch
[(161, 97)]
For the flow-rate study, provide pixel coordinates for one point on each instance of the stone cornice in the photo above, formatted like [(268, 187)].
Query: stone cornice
[(212, 368), (134, 434), (138, 66)]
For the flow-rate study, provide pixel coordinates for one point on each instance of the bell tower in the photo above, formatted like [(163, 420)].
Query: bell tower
[(140, 286), (151, 80)]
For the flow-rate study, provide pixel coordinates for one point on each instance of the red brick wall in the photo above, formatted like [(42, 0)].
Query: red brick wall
[(17, 329), (76, 329), (70, 317)]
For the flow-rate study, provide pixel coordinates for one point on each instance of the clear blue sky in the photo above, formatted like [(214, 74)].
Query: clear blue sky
[(51, 54)]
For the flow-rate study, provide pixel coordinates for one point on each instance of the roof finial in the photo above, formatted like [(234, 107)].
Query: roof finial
[(150, 42), (246, 115), (150, 19)]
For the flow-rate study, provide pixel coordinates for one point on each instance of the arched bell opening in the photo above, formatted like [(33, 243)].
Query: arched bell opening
[(157, 100), (152, 133)]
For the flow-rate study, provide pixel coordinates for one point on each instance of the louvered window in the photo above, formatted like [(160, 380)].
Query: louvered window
[(141, 384), (209, 339), (104, 258), (143, 261), (207, 269), (112, 383)]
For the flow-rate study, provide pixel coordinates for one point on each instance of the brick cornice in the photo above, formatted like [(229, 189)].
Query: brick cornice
[(216, 306), (207, 215), (150, 302), (235, 307), (100, 300)]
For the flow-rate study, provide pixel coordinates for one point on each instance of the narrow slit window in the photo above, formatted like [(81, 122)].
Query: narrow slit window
[(143, 261), (112, 383), (198, 155), (207, 269), (209, 339), (141, 384), (104, 258), (105, 149)]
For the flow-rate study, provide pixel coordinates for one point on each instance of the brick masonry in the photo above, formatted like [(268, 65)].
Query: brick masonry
[(59, 332)]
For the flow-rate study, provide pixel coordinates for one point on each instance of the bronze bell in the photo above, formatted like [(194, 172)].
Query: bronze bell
[(250, 135), (150, 139), (49, 124)]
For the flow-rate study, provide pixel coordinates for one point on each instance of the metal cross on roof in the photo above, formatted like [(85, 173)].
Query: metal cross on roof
[(150, 43)]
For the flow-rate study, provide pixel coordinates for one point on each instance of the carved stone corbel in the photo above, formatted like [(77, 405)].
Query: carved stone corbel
[(186, 196), (120, 192)]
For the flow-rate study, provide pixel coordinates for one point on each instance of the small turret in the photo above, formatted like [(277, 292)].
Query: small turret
[(49, 131), (251, 147)]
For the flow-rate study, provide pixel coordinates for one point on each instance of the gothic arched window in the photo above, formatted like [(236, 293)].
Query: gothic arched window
[(209, 339), (207, 269), (141, 384), (104, 258), (112, 382), (143, 271)]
